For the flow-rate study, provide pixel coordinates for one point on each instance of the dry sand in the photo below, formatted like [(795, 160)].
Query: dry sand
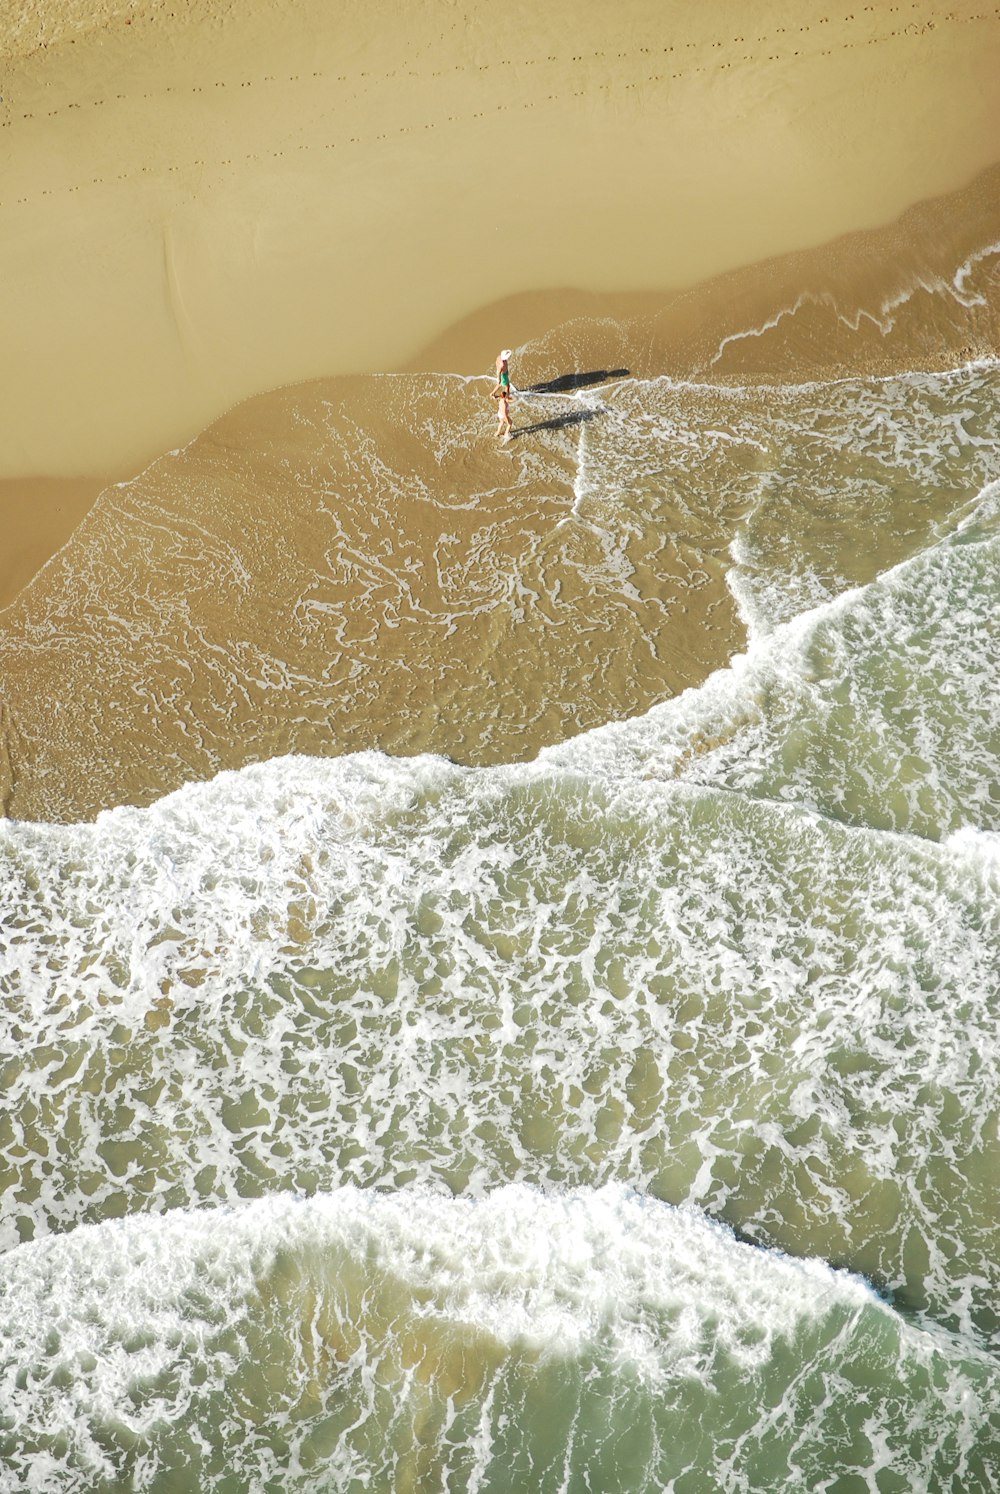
[(205, 200)]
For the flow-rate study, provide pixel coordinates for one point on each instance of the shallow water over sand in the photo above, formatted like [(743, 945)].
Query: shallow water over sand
[(360, 564)]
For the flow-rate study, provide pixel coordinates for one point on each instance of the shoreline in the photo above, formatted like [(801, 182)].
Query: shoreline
[(205, 205), (814, 316), (407, 585), (40, 515)]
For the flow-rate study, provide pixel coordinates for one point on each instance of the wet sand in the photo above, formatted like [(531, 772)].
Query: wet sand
[(204, 202), (916, 293), (354, 563), (39, 516)]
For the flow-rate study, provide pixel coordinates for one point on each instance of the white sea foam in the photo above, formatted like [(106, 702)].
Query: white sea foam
[(603, 965), (968, 269), (587, 1316), (312, 972), (880, 705)]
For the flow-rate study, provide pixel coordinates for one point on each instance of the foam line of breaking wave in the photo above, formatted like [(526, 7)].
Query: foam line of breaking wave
[(903, 671), (388, 1324)]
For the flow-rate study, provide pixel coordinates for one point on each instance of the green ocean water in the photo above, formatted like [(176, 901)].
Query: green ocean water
[(625, 1119)]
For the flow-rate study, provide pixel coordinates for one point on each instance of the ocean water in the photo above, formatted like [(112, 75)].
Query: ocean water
[(623, 1118)]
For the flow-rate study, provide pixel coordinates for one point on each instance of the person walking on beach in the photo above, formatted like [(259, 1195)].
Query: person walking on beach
[(501, 393)]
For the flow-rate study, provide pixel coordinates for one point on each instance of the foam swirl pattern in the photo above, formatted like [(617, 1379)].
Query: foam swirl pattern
[(414, 1342)]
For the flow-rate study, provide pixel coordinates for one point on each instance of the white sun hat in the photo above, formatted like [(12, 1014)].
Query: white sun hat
[(507, 353)]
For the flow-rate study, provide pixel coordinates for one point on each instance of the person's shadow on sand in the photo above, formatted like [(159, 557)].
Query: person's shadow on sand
[(566, 382), (557, 423)]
